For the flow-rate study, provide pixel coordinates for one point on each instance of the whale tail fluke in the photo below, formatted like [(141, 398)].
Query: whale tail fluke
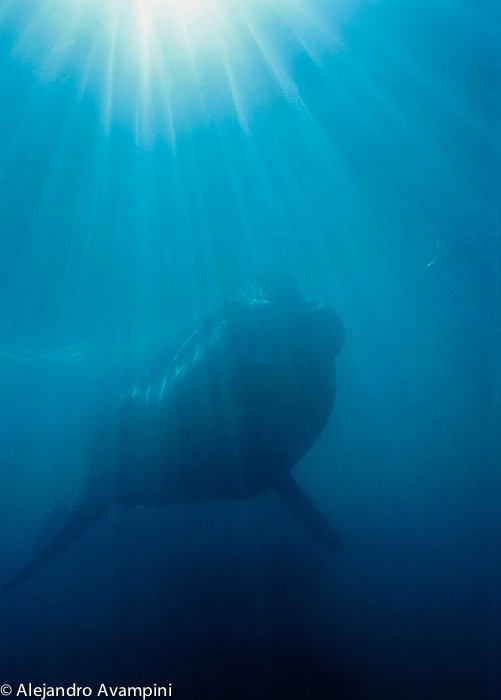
[(66, 523)]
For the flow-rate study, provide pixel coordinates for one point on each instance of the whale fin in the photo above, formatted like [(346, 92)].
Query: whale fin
[(312, 520), (52, 523), (68, 521)]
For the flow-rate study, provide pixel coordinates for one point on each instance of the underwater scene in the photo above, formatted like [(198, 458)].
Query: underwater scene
[(250, 349)]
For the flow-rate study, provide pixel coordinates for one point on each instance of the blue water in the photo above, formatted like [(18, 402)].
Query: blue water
[(151, 163)]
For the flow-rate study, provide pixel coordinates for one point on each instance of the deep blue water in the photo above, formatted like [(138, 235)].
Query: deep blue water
[(148, 171)]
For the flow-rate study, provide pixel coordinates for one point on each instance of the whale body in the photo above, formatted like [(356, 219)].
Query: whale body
[(221, 412)]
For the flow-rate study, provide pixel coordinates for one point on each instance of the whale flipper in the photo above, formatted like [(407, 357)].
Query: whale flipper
[(310, 517), (69, 520)]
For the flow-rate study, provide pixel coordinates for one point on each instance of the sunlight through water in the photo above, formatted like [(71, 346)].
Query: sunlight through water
[(162, 65)]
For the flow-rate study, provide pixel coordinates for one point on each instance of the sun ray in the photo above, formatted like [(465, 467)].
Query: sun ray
[(109, 82), (162, 66), (164, 80), (278, 70)]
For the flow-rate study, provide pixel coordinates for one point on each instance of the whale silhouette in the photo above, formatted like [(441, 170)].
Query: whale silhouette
[(223, 411)]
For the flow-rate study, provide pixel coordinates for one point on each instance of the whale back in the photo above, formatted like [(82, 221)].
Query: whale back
[(222, 411), (230, 403)]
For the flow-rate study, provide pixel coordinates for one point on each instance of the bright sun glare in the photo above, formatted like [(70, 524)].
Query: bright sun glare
[(174, 59), (179, 5), (185, 11)]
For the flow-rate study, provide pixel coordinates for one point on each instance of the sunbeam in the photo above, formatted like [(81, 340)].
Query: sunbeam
[(161, 65)]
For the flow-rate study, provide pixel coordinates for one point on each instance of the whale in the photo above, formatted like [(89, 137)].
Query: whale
[(222, 411)]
